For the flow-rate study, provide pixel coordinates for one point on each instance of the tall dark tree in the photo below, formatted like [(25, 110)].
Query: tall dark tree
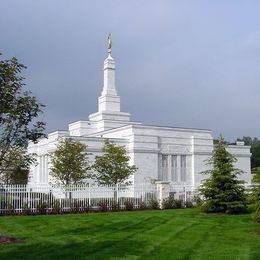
[(223, 191), (256, 193), (19, 110), (255, 149)]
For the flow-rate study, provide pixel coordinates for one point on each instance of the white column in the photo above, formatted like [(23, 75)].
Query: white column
[(46, 170)]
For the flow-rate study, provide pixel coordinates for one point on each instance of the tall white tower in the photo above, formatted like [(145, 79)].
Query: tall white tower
[(109, 114), (109, 100)]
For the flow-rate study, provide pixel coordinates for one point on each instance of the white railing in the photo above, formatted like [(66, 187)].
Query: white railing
[(48, 199), (53, 199), (184, 192)]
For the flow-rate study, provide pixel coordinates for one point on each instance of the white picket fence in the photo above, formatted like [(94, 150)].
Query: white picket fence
[(18, 198)]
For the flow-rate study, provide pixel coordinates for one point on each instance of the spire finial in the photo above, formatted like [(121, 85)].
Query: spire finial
[(109, 45)]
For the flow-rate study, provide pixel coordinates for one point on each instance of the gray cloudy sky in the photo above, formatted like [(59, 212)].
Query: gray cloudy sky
[(179, 63)]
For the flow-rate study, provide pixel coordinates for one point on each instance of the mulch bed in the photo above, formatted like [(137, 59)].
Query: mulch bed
[(9, 240)]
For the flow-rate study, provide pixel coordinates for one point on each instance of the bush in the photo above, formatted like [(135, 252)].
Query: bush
[(189, 204), (171, 203), (115, 206), (42, 207), (129, 206), (168, 203), (142, 206), (178, 204), (153, 204), (75, 206), (256, 214), (197, 201), (56, 208), (103, 205), (26, 210)]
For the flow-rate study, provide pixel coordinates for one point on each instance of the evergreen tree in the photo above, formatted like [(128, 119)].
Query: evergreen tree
[(256, 193), (69, 162), (222, 191), (113, 166)]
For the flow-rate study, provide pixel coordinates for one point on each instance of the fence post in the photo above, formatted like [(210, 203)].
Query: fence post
[(163, 190), (117, 193), (88, 195), (185, 193), (142, 192)]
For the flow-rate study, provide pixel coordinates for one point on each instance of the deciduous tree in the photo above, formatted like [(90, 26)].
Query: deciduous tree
[(17, 171), (113, 166), (19, 110), (69, 162)]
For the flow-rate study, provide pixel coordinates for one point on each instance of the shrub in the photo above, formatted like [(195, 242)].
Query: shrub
[(115, 206), (76, 206), (142, 206), (26, 210), (197, 201), (178, 204), (56, 208), (256, 214), (153, 204), (103, 205), (168, 203), (189, 204), (42, 207), (129, 206)]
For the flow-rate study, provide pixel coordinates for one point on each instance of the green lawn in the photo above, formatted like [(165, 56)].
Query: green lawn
[(168, 234)]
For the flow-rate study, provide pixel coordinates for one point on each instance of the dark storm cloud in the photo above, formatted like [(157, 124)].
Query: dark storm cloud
[(179, 63)]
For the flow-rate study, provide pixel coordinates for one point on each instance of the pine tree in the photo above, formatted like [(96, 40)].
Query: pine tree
[(223, 191), (255, 193)]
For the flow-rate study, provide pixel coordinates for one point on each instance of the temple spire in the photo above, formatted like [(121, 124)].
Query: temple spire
[(109, 100)]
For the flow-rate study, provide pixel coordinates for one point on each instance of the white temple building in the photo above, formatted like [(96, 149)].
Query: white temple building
[(172, 154)]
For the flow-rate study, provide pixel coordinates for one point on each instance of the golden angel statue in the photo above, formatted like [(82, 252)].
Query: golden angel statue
[(109, 46)]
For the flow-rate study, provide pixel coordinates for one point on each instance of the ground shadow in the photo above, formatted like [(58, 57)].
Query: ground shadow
[(74, 250)]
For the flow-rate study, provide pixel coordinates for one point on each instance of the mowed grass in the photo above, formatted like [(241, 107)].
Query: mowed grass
[(168, 234)]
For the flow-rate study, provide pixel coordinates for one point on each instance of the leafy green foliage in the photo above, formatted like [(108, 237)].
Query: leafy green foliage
[(256, 185), (18, 111), (171, 203), (223, 192), (256, 214), (69, 162), (255, 149), (16, 166), (153, 204), (255, 194), (129, 205), (113, 166)]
